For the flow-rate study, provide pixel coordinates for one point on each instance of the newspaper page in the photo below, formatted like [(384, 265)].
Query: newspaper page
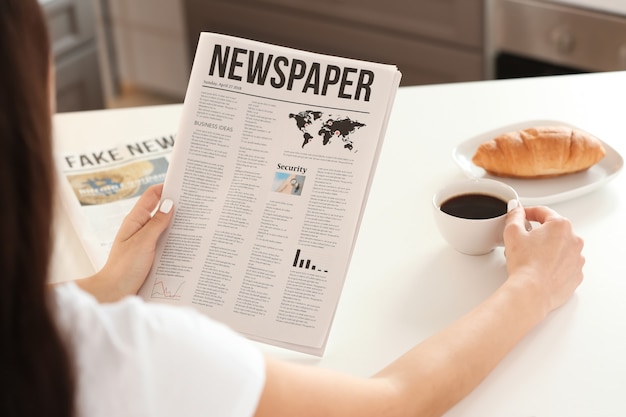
[(100, 186), (274, 157)]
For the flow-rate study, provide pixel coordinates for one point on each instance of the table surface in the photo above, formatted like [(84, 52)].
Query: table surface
[(405, 283)]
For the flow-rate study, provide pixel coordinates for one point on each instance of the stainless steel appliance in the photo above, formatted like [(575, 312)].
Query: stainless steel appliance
[(534, 37)]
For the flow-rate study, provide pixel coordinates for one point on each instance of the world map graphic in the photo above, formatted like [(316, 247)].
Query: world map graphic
[(327, 127)]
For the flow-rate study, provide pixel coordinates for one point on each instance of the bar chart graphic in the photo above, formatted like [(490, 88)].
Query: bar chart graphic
[(301, 262)]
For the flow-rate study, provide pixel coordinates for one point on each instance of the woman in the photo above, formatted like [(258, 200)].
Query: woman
[(36, 369), (86, 349)]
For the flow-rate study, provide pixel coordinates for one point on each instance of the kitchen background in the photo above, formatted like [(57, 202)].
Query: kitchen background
[(119, 53)]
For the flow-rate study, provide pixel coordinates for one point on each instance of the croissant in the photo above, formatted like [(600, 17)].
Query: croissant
[(539, 152)]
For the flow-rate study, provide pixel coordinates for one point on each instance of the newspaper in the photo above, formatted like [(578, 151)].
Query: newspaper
[(99, 187), (274, 157)]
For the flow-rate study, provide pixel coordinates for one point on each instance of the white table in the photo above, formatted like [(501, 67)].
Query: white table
[(405, 283)]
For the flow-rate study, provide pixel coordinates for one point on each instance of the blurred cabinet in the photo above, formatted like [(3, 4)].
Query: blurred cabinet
[(72, 28), (431, 41), (150, 46)]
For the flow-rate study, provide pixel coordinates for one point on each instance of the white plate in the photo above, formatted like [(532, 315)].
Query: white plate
[(541, 190)]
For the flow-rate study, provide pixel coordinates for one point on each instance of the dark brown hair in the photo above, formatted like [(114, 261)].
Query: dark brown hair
[(35, 373)]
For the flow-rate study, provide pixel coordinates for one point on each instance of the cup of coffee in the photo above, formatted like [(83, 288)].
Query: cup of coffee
[(471, 214)]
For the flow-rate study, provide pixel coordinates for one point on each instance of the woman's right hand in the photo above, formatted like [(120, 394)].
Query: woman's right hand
[(133, 250), (548, 257)]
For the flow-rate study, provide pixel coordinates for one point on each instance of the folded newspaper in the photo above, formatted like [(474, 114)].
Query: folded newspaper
[(273, 161), (101, 180)]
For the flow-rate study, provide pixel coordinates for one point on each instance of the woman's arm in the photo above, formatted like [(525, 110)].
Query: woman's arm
[(545, 267), (133, 249)]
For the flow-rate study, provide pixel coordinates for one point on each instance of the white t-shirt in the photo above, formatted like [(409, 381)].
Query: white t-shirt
[(143, 359)]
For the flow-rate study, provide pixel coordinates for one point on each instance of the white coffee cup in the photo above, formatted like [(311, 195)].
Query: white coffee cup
[(473, 236)]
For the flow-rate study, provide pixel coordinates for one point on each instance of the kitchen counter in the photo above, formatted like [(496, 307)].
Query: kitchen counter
[(405, 283), (616, 7)]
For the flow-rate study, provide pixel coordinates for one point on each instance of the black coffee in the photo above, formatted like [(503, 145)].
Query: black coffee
[(474, 206)]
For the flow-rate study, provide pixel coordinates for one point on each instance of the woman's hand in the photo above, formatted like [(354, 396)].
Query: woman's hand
[(548, 257), (133, 249), (545, 267)]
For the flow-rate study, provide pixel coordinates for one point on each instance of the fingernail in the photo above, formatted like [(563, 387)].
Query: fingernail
[(512, 205), (166, 206)]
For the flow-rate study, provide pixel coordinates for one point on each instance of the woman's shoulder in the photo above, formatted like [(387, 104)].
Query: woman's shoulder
[(147, 346)]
